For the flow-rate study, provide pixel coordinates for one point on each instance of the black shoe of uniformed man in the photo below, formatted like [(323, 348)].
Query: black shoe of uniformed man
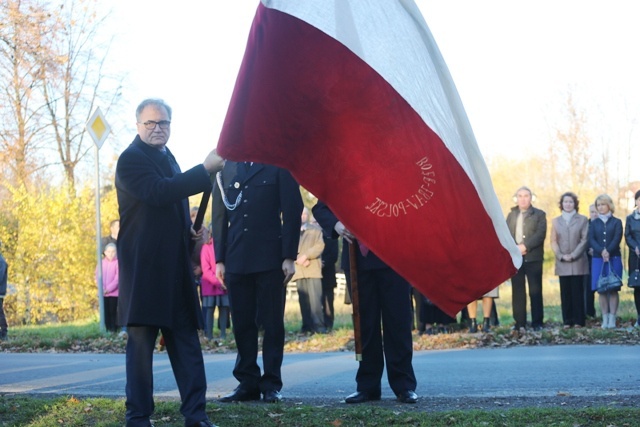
[(241, 395), (272, 396), (408, 396), (361, 397)]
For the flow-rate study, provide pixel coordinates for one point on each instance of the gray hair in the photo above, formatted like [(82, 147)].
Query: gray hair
[(152, 101)]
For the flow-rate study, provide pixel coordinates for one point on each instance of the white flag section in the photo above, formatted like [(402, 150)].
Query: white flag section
[(355, 99)]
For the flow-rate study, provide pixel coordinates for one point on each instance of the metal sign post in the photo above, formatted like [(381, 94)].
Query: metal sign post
[(99, 129)]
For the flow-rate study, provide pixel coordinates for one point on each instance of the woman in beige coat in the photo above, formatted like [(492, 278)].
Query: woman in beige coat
[(569, 239)]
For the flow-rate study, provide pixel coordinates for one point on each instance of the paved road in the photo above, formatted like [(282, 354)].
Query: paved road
[(522, 371)]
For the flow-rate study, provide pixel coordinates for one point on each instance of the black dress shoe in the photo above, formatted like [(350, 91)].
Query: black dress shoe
[(272, 396), (240, 395), (408, 396), (203, 423), (361, 397)]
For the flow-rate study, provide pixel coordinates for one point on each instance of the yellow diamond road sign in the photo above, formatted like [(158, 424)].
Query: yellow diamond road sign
[(98, 127)]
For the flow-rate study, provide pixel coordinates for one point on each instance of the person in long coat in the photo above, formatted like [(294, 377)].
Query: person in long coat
[(308, 276), (157, 290), (569, 240)]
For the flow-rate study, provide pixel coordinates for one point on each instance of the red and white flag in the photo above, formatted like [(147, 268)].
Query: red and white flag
[(353, 97)]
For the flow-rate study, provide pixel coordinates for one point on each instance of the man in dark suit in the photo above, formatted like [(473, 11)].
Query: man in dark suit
[(157, 291), (256, 229), (384, 295)]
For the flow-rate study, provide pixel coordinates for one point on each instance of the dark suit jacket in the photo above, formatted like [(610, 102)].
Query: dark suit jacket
[(264, 228), (327, 221), (605, 235), (155, 270), (534, 231)]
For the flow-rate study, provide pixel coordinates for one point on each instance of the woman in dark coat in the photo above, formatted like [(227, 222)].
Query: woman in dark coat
[(605, 235)]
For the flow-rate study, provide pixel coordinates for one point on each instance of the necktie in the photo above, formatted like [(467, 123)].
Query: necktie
[(519, 228), (174, 166)]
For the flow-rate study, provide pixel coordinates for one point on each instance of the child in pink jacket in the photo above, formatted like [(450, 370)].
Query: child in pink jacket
[(214, 293), (110, 286)]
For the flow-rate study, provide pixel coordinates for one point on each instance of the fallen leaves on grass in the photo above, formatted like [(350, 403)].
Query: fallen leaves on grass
[(342, 340)]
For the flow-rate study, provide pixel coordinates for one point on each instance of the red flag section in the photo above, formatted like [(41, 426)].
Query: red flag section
[(354, 99)]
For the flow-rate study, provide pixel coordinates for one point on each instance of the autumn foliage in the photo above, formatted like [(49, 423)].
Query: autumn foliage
[(49, 241)]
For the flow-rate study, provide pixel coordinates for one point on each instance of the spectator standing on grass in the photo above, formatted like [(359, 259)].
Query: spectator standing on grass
[(528, 227), (308, 276), (110, 280), (569, 241), (605, 235), (632, 238), (214, 293)]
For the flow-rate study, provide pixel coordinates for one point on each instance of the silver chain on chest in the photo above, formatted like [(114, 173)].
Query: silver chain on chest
[(225, 200)]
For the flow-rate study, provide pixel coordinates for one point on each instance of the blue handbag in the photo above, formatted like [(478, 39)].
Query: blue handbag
[(610, 282)]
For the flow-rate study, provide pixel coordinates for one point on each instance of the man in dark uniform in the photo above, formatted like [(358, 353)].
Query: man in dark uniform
[(384, 295), (256, 229), (157, 291)]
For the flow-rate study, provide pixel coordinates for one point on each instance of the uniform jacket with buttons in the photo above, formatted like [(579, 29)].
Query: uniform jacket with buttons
[(534, 231), (605, 235), (264, 227)]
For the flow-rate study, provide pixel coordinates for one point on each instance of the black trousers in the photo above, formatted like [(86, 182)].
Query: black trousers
[(328, 285), (532, 272), (589, 295), (257, 300), (384, 299), (185, 355), (572, 300), (111, 313)]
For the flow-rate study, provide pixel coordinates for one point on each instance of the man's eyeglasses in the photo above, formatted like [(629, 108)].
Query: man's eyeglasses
[(151, 125)]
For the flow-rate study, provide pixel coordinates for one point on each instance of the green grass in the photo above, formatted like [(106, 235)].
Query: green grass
[(71, 411)]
